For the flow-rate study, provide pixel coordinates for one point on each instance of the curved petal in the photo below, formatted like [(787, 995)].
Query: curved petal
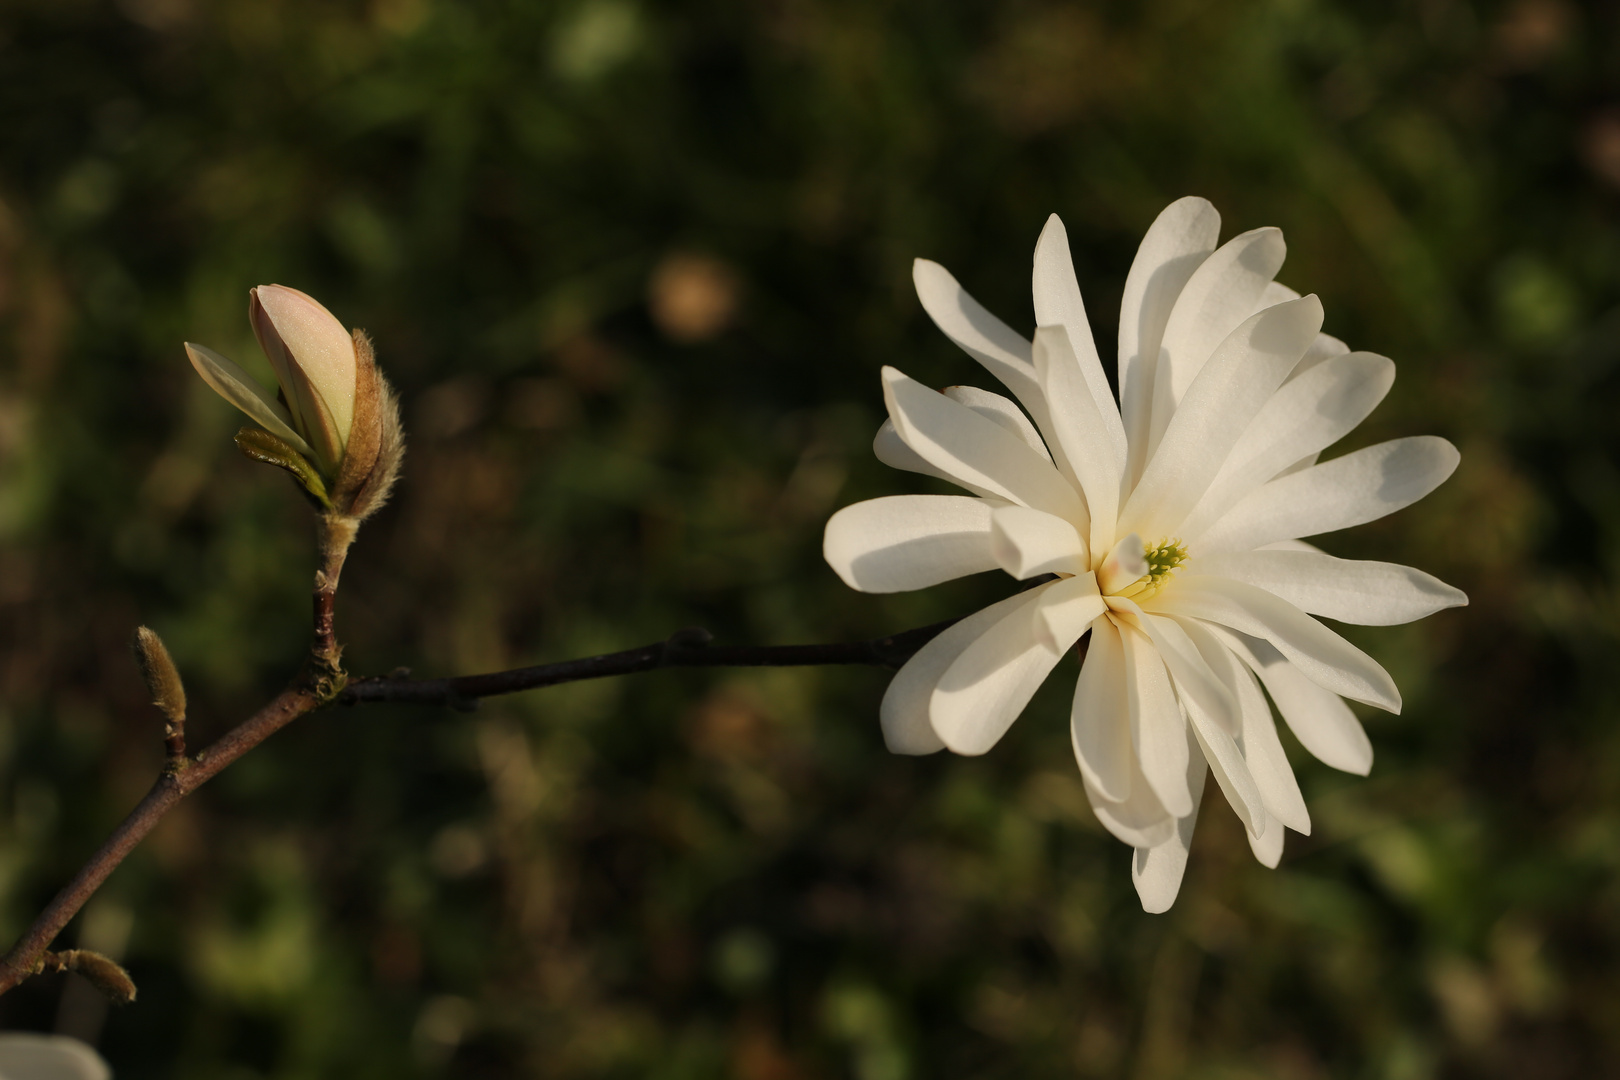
[(1099, 722), (1058, 303), (1319, 719), (1268, 845), (975, 451), (1214, 716), (1001, 349), (1178, 241), (1156, 871), (904, 713), (1324, 348), (1220, 295), (889, 448), (1097, 460), (987, 686), (1139, 820), (1325, 657), (1027, 543), (1158, 730), (1125, 562), (1262, 750), (905, 542), (1308, 414), (1364, 593), (239, 388), (1350, 490), (1068, 608), (1229, 391), (1001, 410), (1274, 294), (320, 358)]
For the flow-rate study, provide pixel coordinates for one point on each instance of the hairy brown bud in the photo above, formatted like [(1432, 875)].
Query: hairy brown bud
[(103, 973), (376, 441), (162, 678)]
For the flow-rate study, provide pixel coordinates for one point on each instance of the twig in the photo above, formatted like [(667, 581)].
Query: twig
[(326, 682), (686, 648), (174, 785)]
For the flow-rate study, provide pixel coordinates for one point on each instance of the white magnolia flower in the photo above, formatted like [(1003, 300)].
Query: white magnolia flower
[(1171, 522)]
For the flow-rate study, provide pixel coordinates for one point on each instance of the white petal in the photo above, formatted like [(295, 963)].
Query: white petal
[(1158, 731), (892, 450), (1027, 543), (1068, 607), (1350, 490), (1307, 415), (988, 685), (1262, 750), (907, 542), (1320, 720), (1100, 722), (1214, 716), (1268, 845), (240, 389), (1190, 674), (1177, 242), (1156, 871), (1000, 348), (1001, 410), (1221, 294), (1364, 593), (27, 1056), (1058, 303), (1325, 347), (975, 452), (1126, 561), (1274, 294), (1325, 657), (1085, 430), (904, 713), (1290, 545), (1229, 391), (1139, 820)]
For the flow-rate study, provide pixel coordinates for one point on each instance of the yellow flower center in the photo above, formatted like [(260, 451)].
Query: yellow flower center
[(1162, 559)]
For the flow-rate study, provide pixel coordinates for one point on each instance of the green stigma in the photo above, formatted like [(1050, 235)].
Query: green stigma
[(1162, 559)]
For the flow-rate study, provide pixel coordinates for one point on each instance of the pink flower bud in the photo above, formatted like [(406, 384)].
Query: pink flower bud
[(313, 357), (336, 425)]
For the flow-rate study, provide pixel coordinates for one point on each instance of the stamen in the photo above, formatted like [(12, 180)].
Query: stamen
[(1162, 559)]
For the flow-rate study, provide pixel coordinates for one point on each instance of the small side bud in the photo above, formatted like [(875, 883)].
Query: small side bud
[(163, 682), (104, 974)]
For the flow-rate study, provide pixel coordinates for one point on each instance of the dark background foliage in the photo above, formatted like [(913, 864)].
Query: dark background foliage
[(634, 265)]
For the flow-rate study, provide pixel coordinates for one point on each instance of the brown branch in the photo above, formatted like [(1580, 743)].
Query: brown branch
[(175, 784), (686, 648), (325, 682), (321, 681)]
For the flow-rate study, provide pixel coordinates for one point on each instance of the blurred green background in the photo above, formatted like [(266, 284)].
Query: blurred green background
[(634, 265)]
